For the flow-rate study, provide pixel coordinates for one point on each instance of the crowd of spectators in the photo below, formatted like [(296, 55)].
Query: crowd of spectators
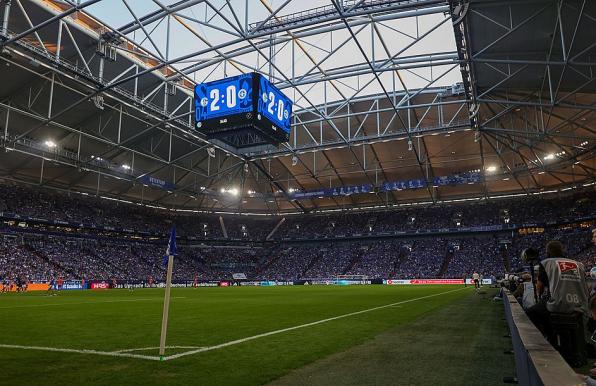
[(522, 210), (289, 263), (324, 252), (85, 209), (423, 257), (18, 261), (381, 259)]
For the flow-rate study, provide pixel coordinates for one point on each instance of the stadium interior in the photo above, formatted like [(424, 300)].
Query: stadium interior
[(428, 149)]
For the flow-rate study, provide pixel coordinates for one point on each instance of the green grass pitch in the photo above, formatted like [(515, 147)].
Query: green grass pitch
[(122, 321)]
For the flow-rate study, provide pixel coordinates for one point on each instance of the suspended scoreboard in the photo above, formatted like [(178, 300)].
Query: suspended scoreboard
[(242, 111)]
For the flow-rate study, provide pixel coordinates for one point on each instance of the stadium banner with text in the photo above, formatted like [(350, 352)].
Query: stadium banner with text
[(456, 179), (396, 282), (334, 282), (34, 286), (265, 283), (132, 284), (423, 281), (331, 281), (157, 182), (340, 191), (73, 285), (99, 285), (484, 281), (352, 282), (38, 286)]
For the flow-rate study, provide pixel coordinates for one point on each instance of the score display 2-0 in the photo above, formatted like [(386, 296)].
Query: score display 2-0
[(242, 102), (274, 105), (223, 97)]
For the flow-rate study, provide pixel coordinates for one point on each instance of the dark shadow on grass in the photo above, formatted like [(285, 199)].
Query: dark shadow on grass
[(459, 344)]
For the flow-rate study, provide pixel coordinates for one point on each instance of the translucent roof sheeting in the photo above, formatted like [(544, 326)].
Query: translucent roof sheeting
[(217, 39)]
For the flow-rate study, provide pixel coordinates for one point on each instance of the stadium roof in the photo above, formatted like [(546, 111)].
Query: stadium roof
[(97, 96)]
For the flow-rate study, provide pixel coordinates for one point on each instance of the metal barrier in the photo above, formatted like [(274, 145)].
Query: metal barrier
[(536, 361)]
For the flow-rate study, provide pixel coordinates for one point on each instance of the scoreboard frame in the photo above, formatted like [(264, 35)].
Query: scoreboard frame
[(253, 110)]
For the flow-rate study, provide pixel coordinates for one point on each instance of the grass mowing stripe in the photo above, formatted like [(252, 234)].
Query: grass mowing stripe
[(94, 302), (238, 341)]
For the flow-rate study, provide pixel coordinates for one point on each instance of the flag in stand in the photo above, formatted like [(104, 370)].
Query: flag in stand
[(169, 261)]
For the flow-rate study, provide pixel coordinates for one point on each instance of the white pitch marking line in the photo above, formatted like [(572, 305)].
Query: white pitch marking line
[(231, 343), (93, 302), (238, 341), (83, 351), (154, 348)]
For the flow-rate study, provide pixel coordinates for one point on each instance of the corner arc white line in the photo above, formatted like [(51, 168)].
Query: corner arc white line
[(242, 340), (83, 351), (154, 348), (92, 302)]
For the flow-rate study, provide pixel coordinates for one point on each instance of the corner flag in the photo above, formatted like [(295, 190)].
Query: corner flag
[(169, 259), (171, 250)]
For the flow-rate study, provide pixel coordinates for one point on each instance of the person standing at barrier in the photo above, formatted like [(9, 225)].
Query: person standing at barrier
[(531, 257), (476, 278), (524, 292), (52, 287), (560, 286), (529, 295)]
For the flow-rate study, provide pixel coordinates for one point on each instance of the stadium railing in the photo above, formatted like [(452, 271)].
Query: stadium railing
[(536, 361)]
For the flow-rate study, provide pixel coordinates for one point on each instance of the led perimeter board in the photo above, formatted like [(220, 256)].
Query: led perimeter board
[(245, 106)]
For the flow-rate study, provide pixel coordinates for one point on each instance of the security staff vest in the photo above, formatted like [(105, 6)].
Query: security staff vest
[(567, 285)]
